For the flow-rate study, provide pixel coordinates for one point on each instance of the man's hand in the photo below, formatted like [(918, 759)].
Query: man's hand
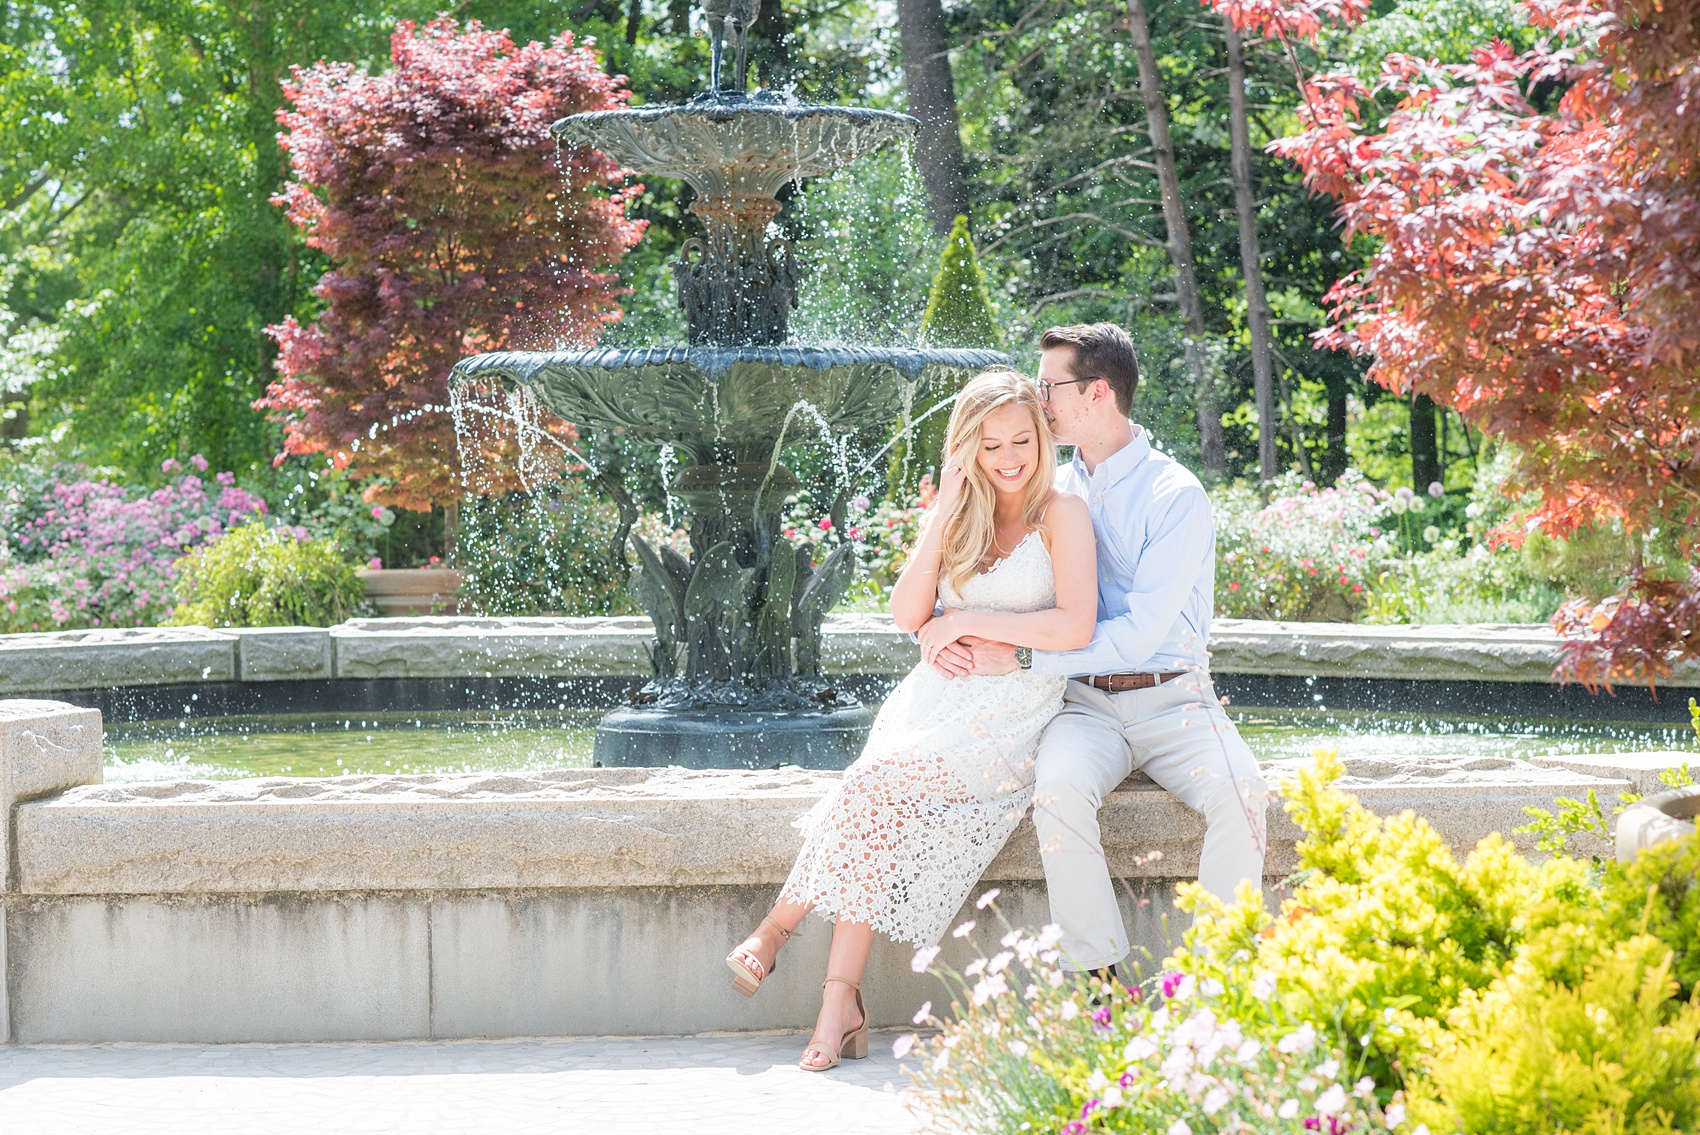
[(989, 657), (954, 661)]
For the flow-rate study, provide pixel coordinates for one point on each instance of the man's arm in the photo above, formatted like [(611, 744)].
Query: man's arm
[(1168, 568)]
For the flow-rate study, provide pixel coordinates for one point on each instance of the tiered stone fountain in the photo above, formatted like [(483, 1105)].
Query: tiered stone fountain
[(736, 657)]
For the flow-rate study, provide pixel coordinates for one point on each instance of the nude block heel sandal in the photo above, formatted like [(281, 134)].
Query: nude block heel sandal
[(747, 970), (854, 1046)]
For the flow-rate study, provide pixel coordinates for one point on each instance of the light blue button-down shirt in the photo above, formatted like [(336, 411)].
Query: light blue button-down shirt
[(1156, 564)]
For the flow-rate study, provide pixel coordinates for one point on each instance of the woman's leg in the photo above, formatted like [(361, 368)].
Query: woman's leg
[(764, 942), (851, 942)]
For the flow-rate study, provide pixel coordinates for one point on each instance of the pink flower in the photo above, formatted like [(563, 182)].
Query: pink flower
[(375, 563)]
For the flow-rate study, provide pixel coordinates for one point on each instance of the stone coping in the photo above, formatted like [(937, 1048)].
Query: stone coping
[(615, 828), (460, 647)]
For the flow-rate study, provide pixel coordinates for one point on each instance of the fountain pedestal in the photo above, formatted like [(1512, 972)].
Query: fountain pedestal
[(731, 738)]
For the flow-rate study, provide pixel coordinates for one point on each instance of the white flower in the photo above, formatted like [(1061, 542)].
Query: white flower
[(1050, 936), (973, 968), (922, 1013), (1185, 989), (1420, 1129), (987, 899), (964, 930), (999, 962), (1307, 1084), (942, 1060), (1395, 1115), (1214, 1099), (1301, 1039), (1019, 1047), (1139, 1048), (1055, 977), (1210, 987), (1418, 504), (1069, 1010), (1011, 938), (1399, 505), (1436, 489), (1247, 1051), (1288, 1109), (1472, 510), (1113, 1097), (1097, 1081), (1264, 987), (1179, 1127), (1363, 1088), (901, 1046), (1331, 1102), (1328, 1069), (1431, 534), (924, 958), (1403, 494), (990, 987)]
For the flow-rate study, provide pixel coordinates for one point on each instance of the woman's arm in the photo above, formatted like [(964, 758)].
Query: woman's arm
[(1068, 625), (917, 590)]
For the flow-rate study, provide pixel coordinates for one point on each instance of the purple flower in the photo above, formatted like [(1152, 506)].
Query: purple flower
[(1171, 982), (1089, 1107), (1101, 1017)]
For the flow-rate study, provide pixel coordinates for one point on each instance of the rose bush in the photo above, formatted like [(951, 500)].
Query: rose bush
[(78, 549)]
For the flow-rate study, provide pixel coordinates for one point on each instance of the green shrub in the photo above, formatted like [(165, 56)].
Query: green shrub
[(1491, 996), (542, 552), (959, 314), (255, 576)]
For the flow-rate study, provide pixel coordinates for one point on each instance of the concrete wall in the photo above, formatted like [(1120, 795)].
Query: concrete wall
[(476, 905)]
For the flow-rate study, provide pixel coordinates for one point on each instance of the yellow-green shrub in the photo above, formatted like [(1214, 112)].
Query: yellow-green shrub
[(255, 576)]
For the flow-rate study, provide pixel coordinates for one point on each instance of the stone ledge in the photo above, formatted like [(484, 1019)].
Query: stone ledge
[(276, 654), (139, 656), (45, 748), (458, 647), (616, 828)]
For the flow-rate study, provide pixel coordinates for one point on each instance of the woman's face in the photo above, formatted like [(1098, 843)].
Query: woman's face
[(1009, 448)]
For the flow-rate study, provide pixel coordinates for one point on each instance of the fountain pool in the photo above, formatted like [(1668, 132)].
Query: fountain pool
[(228, 748)]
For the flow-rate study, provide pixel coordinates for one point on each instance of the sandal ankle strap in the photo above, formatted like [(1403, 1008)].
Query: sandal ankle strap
[(856, 985), (784, 934)]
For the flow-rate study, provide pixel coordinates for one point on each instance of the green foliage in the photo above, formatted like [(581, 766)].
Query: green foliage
[(542, 552), (260, 576), (1659, 893), (1613, 1054), (959, 314)]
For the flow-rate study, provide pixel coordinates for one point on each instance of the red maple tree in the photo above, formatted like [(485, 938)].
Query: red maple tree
[(454, 226), (1538, 269)]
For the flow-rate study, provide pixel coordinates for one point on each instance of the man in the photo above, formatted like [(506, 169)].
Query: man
[(1141, 698)]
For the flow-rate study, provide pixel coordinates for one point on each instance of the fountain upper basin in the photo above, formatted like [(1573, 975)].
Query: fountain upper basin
[(732, 145)]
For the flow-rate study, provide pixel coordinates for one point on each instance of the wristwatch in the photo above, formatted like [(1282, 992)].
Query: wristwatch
[(1024, 657)]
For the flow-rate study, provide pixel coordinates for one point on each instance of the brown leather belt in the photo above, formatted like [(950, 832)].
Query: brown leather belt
[(1121, 683)]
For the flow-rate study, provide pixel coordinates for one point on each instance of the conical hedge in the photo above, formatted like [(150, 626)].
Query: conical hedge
[(959, 314)]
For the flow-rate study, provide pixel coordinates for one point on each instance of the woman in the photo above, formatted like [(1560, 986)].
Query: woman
[(948, 768)]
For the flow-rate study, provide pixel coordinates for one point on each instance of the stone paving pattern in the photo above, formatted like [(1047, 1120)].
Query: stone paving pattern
[(703, 1085)]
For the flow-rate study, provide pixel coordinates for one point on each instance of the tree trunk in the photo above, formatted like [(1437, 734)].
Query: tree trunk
[(1425, 444), (1211, 448), (1335, 458), (932, 100), (1257, 306)]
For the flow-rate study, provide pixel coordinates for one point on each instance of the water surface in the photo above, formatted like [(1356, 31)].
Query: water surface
[(312, 745)]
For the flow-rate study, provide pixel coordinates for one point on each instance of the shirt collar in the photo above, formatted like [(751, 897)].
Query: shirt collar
[(1118, 464)]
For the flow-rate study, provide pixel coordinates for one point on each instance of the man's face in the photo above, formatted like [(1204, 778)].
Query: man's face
[(1069, 406)]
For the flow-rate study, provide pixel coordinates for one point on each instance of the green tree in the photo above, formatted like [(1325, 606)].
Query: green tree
[(959, 314)]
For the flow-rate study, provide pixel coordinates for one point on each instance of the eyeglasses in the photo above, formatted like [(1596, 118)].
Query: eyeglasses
[(1045, 388)]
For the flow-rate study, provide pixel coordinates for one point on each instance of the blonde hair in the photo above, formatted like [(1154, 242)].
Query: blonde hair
[(969, 528)]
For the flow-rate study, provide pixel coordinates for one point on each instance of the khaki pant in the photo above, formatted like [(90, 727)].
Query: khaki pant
[(1178, 735)]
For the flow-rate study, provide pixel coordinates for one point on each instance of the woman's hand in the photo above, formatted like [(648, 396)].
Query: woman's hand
[(952, 478), (941, 631)]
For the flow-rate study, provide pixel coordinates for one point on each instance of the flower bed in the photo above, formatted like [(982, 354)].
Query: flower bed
[(78, 550), (1396, 988)]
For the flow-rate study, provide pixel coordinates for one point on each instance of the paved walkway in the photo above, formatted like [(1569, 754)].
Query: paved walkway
[(698, 1085)]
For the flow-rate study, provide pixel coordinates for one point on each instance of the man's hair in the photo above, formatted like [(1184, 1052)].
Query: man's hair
[(1101, 350)]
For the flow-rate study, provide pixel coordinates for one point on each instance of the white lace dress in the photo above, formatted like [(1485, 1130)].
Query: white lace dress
[(945, 777)]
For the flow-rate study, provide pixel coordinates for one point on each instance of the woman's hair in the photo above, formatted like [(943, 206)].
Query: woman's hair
[(968, 528)]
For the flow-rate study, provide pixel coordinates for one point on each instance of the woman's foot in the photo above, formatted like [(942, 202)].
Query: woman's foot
[(841, 1014), (754, 958)]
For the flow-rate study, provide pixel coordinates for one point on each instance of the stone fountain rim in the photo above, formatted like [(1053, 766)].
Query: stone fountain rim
[(717, 361), (728, 110)]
